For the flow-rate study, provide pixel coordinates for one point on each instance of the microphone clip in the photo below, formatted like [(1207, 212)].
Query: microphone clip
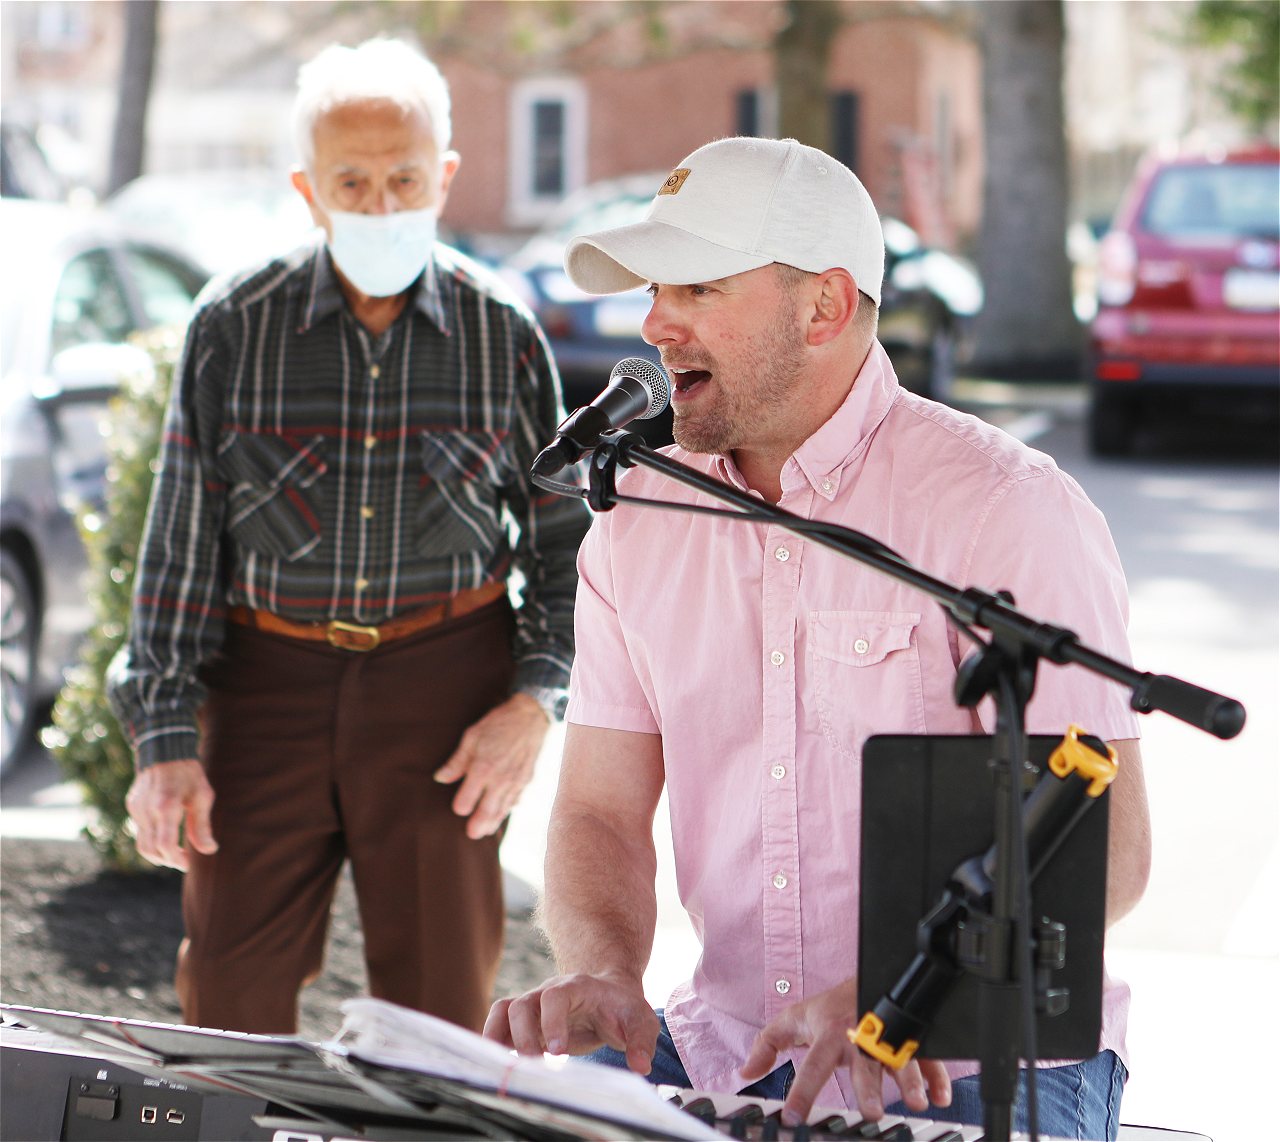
[(602, 470)]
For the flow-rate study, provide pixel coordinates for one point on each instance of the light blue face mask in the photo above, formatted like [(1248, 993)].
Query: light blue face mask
[(382, 254)]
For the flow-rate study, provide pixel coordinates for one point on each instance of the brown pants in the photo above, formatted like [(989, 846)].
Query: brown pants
[(319, 755)]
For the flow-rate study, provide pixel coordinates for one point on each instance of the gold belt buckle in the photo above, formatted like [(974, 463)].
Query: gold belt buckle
[(345, 635)]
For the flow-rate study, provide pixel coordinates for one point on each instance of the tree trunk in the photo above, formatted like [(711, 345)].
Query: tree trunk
[(801, 53), (128, 142), (1027, 327)]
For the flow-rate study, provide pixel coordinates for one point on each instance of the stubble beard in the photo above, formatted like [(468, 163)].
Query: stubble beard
[(771, 376)]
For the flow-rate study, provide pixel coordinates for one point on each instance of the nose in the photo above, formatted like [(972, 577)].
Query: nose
[(661, 324), (384, 202)]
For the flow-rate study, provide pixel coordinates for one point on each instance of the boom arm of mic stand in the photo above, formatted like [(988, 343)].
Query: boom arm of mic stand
[(1213, 713)]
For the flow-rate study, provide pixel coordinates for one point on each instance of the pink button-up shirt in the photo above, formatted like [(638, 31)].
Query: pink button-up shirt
[(765, 661)]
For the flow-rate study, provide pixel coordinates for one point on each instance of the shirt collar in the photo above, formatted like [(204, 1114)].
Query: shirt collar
[(324, 293)]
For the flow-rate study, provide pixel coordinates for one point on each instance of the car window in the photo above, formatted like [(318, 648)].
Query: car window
[(1214, 201), (165, 288), (89, 304)]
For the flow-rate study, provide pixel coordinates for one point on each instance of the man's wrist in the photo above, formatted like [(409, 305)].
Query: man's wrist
[(552, 699)]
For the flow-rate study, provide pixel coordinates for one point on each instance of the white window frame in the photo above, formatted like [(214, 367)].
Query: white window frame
[(525, 207)]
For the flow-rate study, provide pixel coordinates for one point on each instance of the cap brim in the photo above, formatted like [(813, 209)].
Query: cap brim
[(616, 260)]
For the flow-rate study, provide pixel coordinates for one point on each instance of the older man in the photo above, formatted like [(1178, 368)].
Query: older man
[(324, 663), (744, 667)]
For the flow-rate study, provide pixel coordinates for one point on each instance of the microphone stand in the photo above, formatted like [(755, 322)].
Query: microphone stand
[(1005, 667)]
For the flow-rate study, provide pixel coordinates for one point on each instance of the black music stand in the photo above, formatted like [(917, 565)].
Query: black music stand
[(927, 807)]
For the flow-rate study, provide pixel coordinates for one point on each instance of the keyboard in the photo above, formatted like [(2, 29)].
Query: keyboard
[(761, 1118)]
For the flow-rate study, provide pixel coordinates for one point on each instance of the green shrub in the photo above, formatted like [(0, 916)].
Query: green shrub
[(85, 738)]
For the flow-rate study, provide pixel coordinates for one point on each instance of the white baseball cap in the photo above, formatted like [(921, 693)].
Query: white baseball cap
[(735, 205)]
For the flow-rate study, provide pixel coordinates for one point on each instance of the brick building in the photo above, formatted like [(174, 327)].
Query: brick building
[(547, 98)]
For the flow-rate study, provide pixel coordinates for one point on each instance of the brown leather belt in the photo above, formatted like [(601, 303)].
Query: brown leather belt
[(351, 636)]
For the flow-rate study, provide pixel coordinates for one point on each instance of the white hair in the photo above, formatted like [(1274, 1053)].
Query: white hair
[(376, 69)]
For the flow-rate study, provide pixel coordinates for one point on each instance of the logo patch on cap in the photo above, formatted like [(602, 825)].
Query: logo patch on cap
[(675, 180)]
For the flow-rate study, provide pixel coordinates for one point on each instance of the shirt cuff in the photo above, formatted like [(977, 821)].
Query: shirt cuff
[(177, 743)]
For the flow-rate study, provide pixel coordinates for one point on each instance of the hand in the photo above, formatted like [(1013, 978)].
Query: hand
[(822, 1024), (162, 800), (495, 761), (576, 1014)]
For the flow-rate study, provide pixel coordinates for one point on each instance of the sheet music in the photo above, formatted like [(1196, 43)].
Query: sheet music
[(393, 1036)]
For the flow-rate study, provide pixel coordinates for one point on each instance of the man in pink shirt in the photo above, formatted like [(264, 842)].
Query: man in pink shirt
[(743, 666)]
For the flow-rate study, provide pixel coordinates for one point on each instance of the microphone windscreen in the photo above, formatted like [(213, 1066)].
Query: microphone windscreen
[(654, 379)]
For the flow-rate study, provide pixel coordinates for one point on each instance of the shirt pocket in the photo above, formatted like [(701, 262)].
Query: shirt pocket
[(274, 490), (866, 676), (460, 503)]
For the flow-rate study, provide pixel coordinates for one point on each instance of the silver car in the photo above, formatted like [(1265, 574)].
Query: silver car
[(78, 285)]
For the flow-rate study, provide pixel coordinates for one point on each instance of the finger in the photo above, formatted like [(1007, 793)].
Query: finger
[(558, 1025), (911, 1083), (488, 817), (167, 820), (828, 1053), (485, 806), (867, 1076), (200, 827), (760, 1060), (640, 1033), (937, 1080), (524, 1021), (459, 762), (497, 1026)]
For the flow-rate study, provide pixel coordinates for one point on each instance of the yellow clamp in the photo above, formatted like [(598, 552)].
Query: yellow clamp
[(867, 1036), (1075, 756)]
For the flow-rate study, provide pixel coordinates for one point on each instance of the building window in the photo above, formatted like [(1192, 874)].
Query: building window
[(548, 146), (844, 127), (755, 112)]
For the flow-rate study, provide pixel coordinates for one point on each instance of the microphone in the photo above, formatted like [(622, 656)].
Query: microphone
[(637, 390)]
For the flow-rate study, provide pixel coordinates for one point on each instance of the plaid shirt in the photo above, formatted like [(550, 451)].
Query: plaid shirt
[(314, 470)]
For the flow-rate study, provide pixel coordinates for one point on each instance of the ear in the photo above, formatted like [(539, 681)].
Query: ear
[(834, 302), (302, 184), (449, 163)]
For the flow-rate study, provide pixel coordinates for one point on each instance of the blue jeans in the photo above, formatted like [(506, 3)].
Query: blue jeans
[(1080, 1100)]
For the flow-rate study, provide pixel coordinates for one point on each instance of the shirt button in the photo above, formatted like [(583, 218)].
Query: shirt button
[(861, 646), (375, 372), (827, 486), (778, 772), (782, 555), (362, 584), (777, 658), (782, 986), (779, 880), (370, 442), (366, 512)]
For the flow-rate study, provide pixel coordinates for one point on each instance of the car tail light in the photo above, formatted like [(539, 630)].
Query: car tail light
[(1118, 370), (1117, 269)]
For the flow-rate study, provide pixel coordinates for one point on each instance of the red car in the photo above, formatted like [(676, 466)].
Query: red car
[(1188, 295)]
